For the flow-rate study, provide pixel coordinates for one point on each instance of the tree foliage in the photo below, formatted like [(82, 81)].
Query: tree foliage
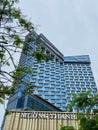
[(84, 102), (14, 27), (67, 127), (88, 123), (87, 115)]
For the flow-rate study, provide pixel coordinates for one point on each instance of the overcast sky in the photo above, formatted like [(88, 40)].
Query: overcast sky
[(71, 25)]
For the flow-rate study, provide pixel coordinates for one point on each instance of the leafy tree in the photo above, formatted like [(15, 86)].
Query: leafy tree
[(14, 27), (84, 104), (88, 123), (66, 127)]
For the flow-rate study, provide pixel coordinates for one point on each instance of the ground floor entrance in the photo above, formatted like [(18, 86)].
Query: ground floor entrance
[(38, 120)]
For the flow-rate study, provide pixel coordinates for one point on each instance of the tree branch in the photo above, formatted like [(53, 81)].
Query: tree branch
[(9, 55), (3, 11)]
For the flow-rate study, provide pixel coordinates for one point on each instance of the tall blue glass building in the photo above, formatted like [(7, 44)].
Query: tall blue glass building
[(56, 79)]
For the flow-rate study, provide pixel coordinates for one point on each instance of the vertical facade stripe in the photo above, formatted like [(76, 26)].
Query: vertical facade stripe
[(14, 121)]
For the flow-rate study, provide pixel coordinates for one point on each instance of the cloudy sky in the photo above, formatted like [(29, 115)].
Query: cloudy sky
[(71, 25)]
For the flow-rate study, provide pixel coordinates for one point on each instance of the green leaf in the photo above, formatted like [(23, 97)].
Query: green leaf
[(7, 63), (7, 112)]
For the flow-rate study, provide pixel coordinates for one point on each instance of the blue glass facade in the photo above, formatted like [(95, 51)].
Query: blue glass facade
[(59, 78)]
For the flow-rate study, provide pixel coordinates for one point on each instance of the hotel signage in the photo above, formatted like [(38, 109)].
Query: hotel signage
[(52, 116)]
